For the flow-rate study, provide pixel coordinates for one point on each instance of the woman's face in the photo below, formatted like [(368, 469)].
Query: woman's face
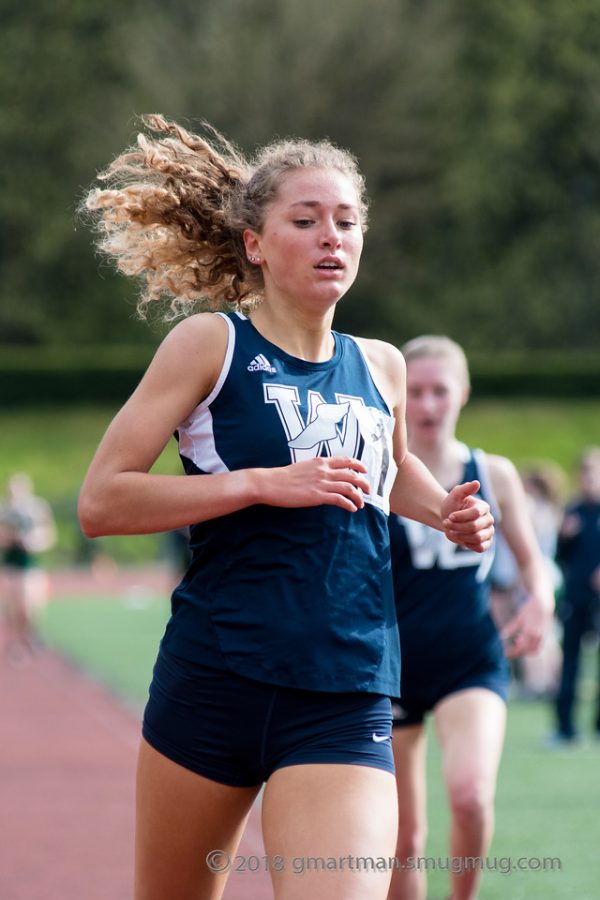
[(589, 477), (435, 395), (311, 240)]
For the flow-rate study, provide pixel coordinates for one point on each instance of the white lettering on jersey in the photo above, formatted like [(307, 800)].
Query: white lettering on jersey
[(336, 429), (260, 363), (429, 548)]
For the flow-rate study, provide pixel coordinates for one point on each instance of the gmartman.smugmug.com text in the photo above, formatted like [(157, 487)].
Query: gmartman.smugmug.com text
[(220, 861)]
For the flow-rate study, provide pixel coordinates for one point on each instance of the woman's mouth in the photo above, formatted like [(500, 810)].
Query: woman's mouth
[(330, 264)]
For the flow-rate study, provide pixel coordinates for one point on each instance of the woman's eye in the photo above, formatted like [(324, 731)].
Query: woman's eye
[(347, 224), (303, 223)]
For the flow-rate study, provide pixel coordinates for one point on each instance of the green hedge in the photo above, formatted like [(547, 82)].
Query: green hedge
[(97, 374), (536, 374), (55, 375)]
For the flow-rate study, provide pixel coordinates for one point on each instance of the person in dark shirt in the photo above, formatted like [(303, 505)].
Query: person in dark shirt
[(578, 554)]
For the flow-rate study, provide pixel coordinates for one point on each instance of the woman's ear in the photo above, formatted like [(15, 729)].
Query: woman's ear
[(252, 244)]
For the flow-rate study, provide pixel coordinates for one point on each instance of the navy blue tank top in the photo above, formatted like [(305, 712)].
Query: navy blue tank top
[(442, 589), (295, 597)]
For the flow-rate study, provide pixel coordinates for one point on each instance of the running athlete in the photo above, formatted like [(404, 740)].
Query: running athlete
[(453, 661), (282, 648), (27, 529)]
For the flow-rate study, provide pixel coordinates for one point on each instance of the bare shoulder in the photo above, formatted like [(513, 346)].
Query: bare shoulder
[(504, 476), (196, 346), (381, 352), (185, 367), (197, 335), (388, 367)]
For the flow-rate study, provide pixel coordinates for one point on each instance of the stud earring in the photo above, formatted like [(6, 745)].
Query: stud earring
[(254, 259)]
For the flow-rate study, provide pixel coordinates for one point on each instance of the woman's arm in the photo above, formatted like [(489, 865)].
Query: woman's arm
[(416, 494), (120, 496), (525, 630)]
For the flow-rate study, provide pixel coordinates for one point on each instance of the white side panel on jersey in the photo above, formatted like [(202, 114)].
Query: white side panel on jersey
[(370, 371), (197, 442), (486, 484), (196, 434)]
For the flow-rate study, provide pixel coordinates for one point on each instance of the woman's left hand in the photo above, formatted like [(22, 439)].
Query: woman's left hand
[(524, 632), (467, 520)]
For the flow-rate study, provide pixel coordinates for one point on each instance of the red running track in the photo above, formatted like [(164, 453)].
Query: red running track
[(67, 768)]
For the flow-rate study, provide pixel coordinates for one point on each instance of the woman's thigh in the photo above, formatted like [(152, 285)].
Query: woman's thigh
[(333, 829), (470, 725), (180, 818)]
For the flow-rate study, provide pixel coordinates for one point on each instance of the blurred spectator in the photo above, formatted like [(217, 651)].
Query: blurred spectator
[(545, 486), (537, 674), (26, 529), (578, 554)]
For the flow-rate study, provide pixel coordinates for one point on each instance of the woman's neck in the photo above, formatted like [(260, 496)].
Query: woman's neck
[(444, 459), (299, 333)]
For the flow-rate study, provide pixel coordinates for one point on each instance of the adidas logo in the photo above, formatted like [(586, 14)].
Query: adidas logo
[(260, 363)]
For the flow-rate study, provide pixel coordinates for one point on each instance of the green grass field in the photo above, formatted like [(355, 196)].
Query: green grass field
[(55, 445), (547, 804)]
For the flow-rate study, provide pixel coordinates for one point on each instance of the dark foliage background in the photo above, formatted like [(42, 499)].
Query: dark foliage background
[(476, 124)]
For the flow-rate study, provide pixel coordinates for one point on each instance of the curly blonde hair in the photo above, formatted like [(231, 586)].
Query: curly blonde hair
[(175, 207)]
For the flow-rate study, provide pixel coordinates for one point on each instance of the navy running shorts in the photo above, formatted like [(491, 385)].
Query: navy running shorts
[(414, 704), (238, 731)]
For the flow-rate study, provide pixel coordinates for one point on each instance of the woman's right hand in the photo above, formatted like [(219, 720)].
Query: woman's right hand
[(333, 480)]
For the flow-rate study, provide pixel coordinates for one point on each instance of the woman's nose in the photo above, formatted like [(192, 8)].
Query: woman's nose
[(427, 401), (330, 237)]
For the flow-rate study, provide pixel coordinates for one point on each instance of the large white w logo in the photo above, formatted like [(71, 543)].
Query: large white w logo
[(336, 429), (331, 427)]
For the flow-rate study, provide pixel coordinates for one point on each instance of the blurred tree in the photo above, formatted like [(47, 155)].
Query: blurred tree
[(514, 261), (370, 76), (475, 124), (64, 94)]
